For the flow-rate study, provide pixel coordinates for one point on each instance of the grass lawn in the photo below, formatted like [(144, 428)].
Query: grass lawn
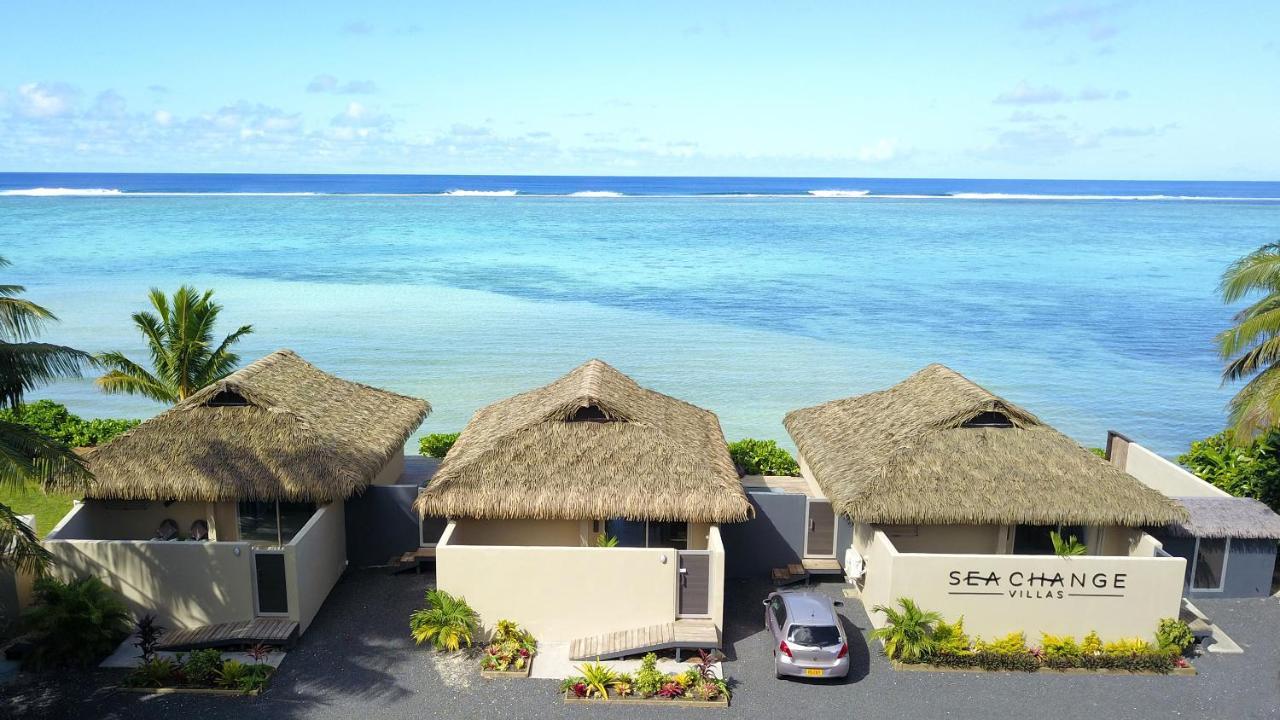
[(47, 507)]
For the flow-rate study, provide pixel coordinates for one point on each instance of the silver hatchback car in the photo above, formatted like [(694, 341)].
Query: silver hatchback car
[(808, 639)]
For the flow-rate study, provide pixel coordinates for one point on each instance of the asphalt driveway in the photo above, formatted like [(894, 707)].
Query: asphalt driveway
[(357, 661)]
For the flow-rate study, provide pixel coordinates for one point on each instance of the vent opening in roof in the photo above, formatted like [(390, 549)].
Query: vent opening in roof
[(989, 419), (589, 413), (227, 398)]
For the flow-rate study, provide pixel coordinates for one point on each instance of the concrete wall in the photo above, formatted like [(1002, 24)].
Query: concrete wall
[(136, 520), (391, 472), (540, 533), (561, 593), (15, 588), (185, 584), (715, 581), (1116, 596), (314, 560), (382, 523), (1156, 472), (977, 539), (773, 538)]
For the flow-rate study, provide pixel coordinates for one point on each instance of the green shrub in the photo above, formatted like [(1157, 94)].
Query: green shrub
[(202, 667), (1060, 651), (648, 680), (908, 635), (254, 677), (762, 457), (447, 621), (153, 673), (1175, 634), (55, 421), (1015, 643), (951, 639), (74, 624), (1092, 644), (1249, 469), (437, 445)]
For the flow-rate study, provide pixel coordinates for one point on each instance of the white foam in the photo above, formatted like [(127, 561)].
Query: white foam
[(839, 193), (596, 194), (62, 192), (1022, 196), (481, 193)]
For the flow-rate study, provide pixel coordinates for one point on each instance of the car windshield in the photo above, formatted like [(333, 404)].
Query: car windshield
[(814, 635)]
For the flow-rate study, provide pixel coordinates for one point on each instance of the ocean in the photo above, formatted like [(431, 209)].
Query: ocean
[(1091, 303)]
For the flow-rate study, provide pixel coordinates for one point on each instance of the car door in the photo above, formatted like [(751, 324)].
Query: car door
[(776, 617)]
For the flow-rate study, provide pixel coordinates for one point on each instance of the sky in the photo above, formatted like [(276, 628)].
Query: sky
[(1173, 90)]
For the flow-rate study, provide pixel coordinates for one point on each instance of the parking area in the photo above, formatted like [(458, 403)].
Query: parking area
[(358, 661)]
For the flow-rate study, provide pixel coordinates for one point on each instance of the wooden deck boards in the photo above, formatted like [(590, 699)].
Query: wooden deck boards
[(683, 633), (822, 565), (271, 631)]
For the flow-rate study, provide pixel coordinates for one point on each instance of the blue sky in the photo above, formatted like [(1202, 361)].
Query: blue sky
[(1142, 90)]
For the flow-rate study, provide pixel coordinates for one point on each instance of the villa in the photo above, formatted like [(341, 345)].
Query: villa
[(589, 511), (229, 506), (948, 494)]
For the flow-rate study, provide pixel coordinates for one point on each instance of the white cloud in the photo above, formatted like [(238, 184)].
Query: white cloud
[(329, 84), (163, 118), (880, 151), (46, 100)]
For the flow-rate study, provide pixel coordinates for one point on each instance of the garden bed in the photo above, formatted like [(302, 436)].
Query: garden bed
[(508, 674), (194, 690), (930, 667), (722, 702)]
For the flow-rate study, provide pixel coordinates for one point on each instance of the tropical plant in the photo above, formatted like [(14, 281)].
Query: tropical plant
[(510, 647), (447, 621), (202, 667), (232, 673), (605, 540), (648, 679), (74, 624), (179, 337), (54, 421), (1176, 634), (254, 678), (598, 677), (762, 457), (908, 634), (148, 633), (1091, 645), (575, 685), (260, 652), (27, 456), (1060, 650), (1069, 547), (950, 638), (153, 673), (1251, 347), (1015, 643), (1244, 469), (671, 690), (437, 445)]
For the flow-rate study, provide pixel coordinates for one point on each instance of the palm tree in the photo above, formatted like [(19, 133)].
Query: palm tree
[(908, 636), (27, 456), (1251, 347), (447, 621), (183, 357)]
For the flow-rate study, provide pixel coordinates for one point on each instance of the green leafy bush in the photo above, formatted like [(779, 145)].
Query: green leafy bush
[(1243, 469), (153, 673), (437, 445), (202, 667), (1015, 643), (951, 639), (648, 679), (909, 632), (74, 624), (1176, 634), (762, 457), (55, 421)]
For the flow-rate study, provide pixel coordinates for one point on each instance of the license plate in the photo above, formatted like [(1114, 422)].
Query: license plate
[(813, 672)]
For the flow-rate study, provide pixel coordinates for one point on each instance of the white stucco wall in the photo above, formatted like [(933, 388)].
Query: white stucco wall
[(185, 584), (314, 560), (1160, 474), (561, 593), (391, 472), (996, 594)]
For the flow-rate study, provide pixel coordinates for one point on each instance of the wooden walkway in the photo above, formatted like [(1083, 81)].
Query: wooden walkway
[(821, 566), (684, 633), (269, 631)]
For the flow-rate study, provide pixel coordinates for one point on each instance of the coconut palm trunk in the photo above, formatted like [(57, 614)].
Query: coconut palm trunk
[(27, 457), (184, 358)]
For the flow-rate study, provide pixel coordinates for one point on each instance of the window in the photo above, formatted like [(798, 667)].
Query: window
[(642, 533), (989, 419), (1209, 563), (779, 612), (258, 520), (669, 535), (1035, 540), (814, 635)]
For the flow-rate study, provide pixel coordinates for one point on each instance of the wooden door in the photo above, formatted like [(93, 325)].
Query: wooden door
[(820, 534), (694, 578)]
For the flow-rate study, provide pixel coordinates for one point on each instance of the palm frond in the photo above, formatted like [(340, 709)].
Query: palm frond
[(26, 366), (1259, 271), (20, 547), (21, 319), (27, 456)]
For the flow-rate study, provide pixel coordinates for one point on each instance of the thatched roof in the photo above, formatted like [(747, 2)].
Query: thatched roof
[(1223, 517), (277, 429), (917, 453), (591, 445)]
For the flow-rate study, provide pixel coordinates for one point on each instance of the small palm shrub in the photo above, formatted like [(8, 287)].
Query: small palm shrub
[(437, 445), (1175, 634), (605, 540), (598, 677), (154, 673), (75, 624), (447, 621), (1070, 547), (908, 636)]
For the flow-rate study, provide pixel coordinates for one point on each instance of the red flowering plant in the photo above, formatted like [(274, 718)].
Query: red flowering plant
[(511, 648)]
